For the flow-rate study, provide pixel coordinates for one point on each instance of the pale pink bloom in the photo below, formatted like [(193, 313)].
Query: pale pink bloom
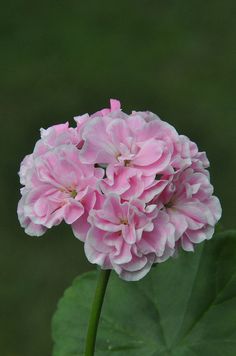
[(125, 142), (52, 137), (184, 152), (128, 237), (191, 207), (61, 189), (131, 187)]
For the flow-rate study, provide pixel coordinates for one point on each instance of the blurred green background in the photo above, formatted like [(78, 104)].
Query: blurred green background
[(64, 58)]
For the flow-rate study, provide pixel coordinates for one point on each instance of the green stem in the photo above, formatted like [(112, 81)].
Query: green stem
[(103, 278)]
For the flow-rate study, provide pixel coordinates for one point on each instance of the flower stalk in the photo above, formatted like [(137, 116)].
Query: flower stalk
[(103, 278)]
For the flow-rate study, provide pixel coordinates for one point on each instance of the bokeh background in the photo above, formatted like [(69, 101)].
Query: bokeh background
[(64, 58)]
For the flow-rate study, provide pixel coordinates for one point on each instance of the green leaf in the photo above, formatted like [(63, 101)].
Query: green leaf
[(184, 307)]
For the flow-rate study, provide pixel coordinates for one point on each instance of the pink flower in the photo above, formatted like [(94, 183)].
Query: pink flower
[(191, 207), (125, 142), (61, 188), (123, 237), (52, 137), (130, 186)]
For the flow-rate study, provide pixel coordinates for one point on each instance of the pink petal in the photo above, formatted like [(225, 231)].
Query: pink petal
[(73, 211), (150, 152)]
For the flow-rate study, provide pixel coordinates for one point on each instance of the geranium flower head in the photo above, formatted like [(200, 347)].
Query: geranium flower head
[(132, 189)]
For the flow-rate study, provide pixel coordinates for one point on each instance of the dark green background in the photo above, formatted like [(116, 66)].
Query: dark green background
[(63, 58)]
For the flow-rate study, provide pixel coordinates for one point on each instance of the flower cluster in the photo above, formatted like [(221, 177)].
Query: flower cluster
[(132, 189)]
